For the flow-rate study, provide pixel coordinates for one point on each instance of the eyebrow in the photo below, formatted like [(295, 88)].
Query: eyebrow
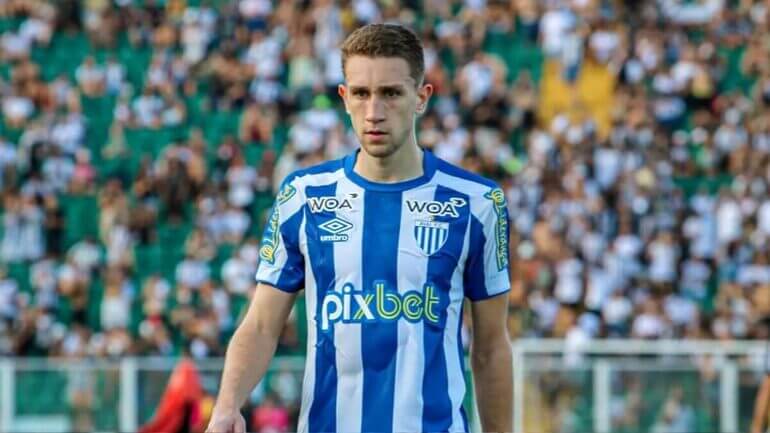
[(391, 87)]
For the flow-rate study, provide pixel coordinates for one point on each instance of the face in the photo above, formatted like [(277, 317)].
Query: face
[(382, 100)]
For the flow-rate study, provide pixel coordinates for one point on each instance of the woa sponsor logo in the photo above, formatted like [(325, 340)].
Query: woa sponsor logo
[(331, 204), (436, 208)]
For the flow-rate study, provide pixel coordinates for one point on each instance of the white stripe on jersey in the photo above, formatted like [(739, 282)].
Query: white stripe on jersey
[(410, 359), (347, 339), (308, 383)]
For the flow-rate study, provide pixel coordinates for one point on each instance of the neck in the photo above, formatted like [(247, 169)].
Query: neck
[(403, 165)]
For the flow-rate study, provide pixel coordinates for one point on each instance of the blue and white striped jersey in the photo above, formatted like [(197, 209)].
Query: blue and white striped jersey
[(385, 268)]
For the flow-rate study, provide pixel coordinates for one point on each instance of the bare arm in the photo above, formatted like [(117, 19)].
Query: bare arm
[(250, 351), (491, 363), (760, 406)]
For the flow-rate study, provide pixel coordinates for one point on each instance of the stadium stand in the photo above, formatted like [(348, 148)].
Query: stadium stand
[(141, 143)]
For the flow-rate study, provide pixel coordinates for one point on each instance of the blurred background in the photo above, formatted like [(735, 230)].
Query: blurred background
[(141, 143)]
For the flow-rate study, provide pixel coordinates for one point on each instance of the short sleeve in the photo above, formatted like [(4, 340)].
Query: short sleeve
[(486, 270), (281, 263)]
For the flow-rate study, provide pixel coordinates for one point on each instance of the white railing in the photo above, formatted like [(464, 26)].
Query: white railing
[(594, 369), (124, 403), (603, 358)]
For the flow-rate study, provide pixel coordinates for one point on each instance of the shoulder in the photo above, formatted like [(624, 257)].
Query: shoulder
[(451, 174), (484, 191), (325, 172), (292, 191), (485, 195)]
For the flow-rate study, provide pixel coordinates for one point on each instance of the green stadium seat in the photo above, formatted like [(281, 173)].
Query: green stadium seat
[(172, 237), (220, 123), (8, 24), (733, 78), (224, 252), (94, 308), (9, 133), (148, 260), (20, 273), (136, 61), (81, 213)]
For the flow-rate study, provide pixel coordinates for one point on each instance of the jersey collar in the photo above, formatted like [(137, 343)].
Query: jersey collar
[(428, 169)]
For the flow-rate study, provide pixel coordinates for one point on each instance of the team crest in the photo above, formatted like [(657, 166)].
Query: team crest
[(430, 235)]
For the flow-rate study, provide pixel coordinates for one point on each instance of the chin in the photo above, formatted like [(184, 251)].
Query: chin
[(379, 150)]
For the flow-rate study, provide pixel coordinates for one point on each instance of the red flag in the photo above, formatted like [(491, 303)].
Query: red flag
[(179, 410)]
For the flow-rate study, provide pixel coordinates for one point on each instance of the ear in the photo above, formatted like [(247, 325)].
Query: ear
[(424, 93), (343, 92)]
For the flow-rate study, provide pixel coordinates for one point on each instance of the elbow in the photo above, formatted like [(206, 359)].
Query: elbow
[(250, 331), (264, 329), (480, 360), (498, 351)]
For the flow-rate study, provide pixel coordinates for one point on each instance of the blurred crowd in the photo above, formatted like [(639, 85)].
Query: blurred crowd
[(655, 223), (635, 159), (141, 144)]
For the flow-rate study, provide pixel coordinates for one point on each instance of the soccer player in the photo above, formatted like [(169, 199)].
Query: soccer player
[(387, 243)]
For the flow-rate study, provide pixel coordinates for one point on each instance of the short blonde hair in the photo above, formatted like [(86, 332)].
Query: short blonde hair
[(386, 40)]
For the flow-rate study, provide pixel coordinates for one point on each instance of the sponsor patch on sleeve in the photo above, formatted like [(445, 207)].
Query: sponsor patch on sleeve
[(501, 226), (286, 193), (271, 238)]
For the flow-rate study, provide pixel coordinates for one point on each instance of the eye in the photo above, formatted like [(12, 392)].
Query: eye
[(391, 93), (360, 93)]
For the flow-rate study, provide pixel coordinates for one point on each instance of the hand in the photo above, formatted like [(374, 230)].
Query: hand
[(226, 421)]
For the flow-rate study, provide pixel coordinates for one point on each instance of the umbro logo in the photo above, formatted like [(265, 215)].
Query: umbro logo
[(336, 230)]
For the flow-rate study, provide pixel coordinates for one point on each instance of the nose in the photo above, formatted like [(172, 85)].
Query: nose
[(375, 110)]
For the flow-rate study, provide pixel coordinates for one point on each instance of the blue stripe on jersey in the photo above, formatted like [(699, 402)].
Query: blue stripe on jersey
[(323, 412), (473, 280), (437, 406), (293, 271), (380, 339)]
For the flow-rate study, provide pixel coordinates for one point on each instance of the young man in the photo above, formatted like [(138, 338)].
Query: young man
[(387, 243)]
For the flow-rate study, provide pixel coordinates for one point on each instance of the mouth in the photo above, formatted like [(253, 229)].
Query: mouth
[(376, 133)]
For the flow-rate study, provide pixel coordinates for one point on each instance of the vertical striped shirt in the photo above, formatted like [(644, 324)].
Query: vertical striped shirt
[(385, 268)]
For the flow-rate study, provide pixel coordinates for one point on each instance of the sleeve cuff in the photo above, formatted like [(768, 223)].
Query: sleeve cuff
[(283, 287), (491, 294)]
